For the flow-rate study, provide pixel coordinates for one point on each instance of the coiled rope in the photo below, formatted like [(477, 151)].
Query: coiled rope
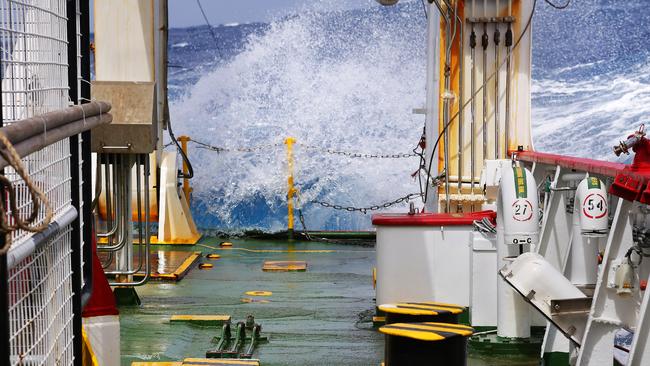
[(14, 221)]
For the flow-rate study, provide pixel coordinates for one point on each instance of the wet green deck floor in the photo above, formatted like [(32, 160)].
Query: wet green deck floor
[(318, 317)]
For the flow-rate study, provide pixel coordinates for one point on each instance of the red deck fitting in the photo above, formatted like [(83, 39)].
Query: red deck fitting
[(432, 219)]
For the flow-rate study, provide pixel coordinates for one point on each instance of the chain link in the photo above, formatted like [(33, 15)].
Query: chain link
[(219, 149), (365, 210), (350, 154), (357, 154)]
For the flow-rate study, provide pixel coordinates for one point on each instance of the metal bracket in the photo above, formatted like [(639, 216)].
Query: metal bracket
[(580, 305), (476, 20)]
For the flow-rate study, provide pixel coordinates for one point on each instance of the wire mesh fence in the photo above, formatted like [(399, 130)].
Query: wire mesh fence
[(40, 310), (34, 71)]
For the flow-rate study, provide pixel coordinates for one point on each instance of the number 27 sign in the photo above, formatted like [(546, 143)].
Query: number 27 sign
[(522, 210)]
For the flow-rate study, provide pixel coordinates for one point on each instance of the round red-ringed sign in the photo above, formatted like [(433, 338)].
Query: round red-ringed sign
[(522, 210), (594, 206)]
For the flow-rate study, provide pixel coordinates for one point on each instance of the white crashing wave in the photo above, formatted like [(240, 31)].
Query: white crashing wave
[(340, 83)]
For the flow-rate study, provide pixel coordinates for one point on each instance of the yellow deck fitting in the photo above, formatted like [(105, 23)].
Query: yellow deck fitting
[(181, 271), (218, 362), (157, 363), (259, 293), (200, 319), (206, 265), (378, 319), (213, 256), (248, 300), (284, 266), (421, 308), (225, 244), (166, 265), (427, 331)]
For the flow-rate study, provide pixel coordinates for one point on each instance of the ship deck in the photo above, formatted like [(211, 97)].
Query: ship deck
[(322, 316)]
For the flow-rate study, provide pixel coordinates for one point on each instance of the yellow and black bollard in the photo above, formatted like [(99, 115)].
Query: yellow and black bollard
[(426, 344), (414, 312)]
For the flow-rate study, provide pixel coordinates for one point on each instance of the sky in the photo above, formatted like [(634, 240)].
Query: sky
[(185, 13)]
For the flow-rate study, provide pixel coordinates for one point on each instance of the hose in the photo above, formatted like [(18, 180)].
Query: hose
[(186, 160)]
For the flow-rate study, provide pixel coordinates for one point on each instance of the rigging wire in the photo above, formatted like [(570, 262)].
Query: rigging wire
[(435, 146), (207, 22), (190, 170), (556, 6)]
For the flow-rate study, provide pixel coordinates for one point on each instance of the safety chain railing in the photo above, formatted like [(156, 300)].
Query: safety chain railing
[(365, 210), (219, 149), (358, 154), (293, 193), (250, 149)]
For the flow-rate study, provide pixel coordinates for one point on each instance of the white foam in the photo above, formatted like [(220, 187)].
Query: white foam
[(310, 78)]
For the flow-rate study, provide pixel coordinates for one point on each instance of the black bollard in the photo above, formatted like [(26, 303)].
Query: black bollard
[(426, 344)]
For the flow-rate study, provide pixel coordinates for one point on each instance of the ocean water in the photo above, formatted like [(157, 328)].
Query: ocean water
[(348, 80)]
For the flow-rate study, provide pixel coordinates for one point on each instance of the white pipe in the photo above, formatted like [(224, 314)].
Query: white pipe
[(517, 232), (513, 314), (433, 96), (21, 251)]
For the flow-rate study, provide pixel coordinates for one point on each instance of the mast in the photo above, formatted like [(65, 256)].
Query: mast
[(433, 96)]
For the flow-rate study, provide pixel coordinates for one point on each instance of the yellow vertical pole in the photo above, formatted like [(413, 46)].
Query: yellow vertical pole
[(291, 191), (187, 190)]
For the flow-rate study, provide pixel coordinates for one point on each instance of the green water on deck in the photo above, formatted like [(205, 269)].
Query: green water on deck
[(318, 317)]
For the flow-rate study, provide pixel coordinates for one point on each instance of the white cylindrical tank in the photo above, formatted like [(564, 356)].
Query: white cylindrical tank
[(517, 231), (589, 222), (520, 206), (591, 205)]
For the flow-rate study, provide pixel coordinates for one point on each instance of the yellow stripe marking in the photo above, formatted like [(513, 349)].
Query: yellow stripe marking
[(187, 318), (396, 310), (259, 293), (429, 327), (419, 309), (217, 361), (282, 266), (431, 307), (426, 331), (186, 264), (284, 250), (87, 349), (419, 335), (438, 304)]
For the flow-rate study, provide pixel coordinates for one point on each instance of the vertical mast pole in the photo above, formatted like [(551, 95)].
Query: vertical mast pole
[(433, 97)]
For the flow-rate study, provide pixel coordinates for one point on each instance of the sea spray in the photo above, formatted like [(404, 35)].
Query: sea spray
[(341, 80)]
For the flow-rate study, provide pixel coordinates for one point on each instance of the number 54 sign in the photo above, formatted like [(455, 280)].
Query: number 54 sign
[(594, 206)]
